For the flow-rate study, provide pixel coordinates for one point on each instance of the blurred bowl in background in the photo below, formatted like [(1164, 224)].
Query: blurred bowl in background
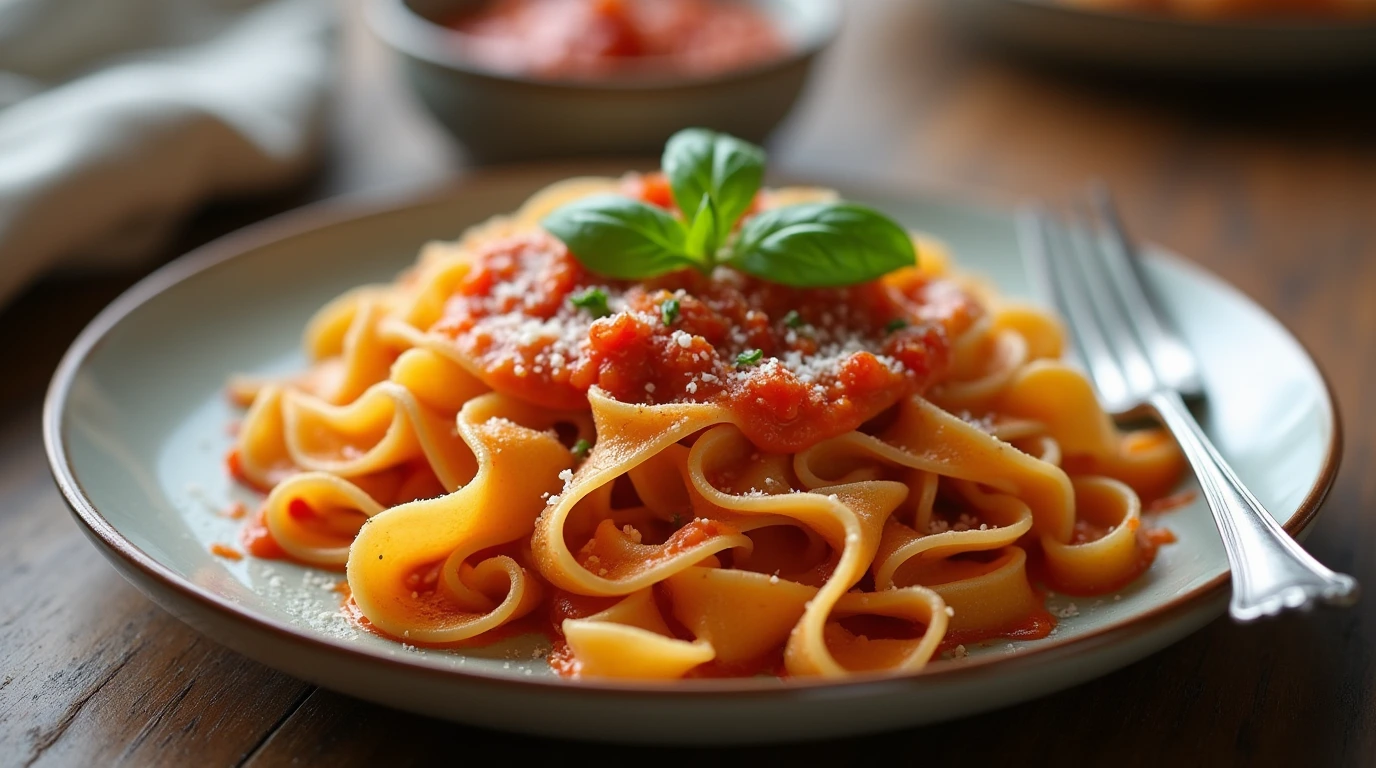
[(502, 114)]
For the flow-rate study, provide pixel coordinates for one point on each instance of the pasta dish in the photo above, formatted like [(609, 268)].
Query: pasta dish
[(689, 426)]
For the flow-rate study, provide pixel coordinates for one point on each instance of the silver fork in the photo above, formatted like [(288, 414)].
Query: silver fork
[(1136, 362)]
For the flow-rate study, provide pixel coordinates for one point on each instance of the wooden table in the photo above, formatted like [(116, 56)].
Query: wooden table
[(1273, 188)]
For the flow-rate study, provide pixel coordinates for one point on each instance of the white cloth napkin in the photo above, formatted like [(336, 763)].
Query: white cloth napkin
[(118, 116)]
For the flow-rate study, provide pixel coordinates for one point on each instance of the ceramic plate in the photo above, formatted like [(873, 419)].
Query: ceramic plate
[(1163, 43), (135, 426)]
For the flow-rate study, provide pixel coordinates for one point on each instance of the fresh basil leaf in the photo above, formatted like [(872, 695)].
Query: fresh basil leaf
[(619, 237), (702, 238), (700, 162), (814, 245)]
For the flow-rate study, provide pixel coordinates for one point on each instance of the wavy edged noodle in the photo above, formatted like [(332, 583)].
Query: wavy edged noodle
[(1109, 561), (987, 594), (849, 516), (616, 562), (314, 516), (743, 614), (363, 357), (630, 639), (928, 438), (262, 440), (983, 361), (385, 427), (1060, 398), (1043, 334), (519, 461)]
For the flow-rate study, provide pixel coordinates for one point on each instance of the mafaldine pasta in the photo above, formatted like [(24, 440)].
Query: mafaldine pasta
[(698, 473)]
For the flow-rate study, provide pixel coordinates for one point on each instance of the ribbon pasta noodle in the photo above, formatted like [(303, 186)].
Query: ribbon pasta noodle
[(476, 452)]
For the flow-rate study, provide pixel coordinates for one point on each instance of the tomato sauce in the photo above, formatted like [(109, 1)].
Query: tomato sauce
[(225, 551), (1035, 626), (581, 39), (1170, 503), (257, 539), (770, 664), (234, 464), (796, 366)]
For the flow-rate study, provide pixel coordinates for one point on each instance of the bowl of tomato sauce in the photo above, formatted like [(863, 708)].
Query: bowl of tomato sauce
[(535, 79)]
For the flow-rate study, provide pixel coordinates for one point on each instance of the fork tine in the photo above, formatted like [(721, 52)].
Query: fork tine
[(1034, 242), (1114, 322), (1047, 249), (1172, 360)]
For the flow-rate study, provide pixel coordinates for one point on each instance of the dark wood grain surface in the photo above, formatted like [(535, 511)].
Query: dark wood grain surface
[(1273, 187)]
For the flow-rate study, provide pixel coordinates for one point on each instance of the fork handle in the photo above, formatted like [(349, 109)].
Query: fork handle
[(1270, 571)]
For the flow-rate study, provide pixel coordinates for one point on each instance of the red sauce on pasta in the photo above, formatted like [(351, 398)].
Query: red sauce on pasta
[(567, 605), (796, 366), (600, 38)]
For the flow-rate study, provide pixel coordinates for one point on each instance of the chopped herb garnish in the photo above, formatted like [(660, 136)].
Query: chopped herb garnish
[(676, 521), (669, 311), (749, 357), (793, 319), (896, 324), (594, 300), (581, 448)]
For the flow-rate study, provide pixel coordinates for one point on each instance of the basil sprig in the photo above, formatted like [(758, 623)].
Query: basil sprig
[(714, 178), (713, 175)]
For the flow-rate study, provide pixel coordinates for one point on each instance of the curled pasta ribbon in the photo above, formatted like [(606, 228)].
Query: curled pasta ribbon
[(405, 417), (628, 436), (927, 438), (335, 510), (745, 615), (989, 593), (982, 362), (849, 518), (1113, 559), (631, 639), (519, 461), (357, 360), (1060, 398), (385, 427), (262, 440)]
